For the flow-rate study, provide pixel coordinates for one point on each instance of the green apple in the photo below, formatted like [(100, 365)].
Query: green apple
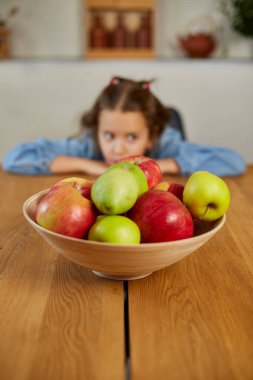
[(136, 171), (206, 196), (115, 191), (115, 229)]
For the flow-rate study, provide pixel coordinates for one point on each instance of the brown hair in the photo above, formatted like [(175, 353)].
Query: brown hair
[(129, 95)]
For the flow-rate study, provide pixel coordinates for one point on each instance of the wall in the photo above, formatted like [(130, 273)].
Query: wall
[(55, 28), (47, 98), (48, 28)]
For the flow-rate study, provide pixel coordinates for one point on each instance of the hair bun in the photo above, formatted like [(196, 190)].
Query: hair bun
[(146, 86), (114, 81)]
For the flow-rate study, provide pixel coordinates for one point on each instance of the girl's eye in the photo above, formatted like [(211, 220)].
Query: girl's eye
[(131, 137), (108, 136)]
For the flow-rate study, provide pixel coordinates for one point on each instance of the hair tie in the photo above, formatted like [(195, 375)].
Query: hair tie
[(146, 86), (114, 81)]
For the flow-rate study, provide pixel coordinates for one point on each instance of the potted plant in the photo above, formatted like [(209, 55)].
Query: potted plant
[(199, 39), (240, 15)]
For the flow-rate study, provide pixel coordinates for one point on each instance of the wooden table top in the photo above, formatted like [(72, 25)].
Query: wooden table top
[(192, 320)]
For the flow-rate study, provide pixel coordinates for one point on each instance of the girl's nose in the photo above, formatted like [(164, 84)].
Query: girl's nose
[(119, 147)]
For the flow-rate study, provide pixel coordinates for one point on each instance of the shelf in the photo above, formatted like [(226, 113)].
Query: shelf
[(121, 4), (103, 32), (120, 53)]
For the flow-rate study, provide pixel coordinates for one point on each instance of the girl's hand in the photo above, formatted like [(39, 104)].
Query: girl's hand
[(95, 167), (168, 166), (69, 164)]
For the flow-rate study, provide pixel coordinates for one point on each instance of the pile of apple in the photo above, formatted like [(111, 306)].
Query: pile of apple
[(129, 204)]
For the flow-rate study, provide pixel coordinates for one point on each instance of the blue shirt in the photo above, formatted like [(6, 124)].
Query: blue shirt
[(34, 157)]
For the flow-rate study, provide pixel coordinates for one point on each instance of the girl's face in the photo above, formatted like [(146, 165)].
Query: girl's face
[(122, 134)]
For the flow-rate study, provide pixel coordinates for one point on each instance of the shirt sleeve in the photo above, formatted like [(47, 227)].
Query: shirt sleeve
[(34, 157), (193, 157)]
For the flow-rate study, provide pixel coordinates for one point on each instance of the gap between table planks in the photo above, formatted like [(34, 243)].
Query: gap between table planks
[(194, 320)]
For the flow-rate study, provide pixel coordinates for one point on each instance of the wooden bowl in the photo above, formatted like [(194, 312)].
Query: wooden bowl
[(119, 261)]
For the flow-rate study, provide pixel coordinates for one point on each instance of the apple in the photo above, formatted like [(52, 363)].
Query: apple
[(136, 171), (116, 229), (206, 196), (149, 167), (65, 210), (173, 187), (161, 217), (162, 186), (83, 185), (115, 191)]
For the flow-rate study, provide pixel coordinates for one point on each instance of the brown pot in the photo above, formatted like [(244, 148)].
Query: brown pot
[(199, 45)]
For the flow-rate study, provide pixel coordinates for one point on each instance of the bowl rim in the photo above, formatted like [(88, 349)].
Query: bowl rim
[(220, 223)]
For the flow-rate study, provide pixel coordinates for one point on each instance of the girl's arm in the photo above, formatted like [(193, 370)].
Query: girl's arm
[(47, 156), (66, 164), (175, 155), (217, 160), (168, 166)]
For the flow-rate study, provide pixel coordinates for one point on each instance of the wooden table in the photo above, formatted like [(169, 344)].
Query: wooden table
[(192, 320)]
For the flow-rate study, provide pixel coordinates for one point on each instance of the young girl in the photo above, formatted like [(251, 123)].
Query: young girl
[(126, 119)]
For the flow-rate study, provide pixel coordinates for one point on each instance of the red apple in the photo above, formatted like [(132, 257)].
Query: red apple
[(161, 217), (81, 184), (65, 210), (173, 187), (149, 166)]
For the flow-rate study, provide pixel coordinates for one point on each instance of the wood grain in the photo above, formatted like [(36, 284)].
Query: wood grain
[(57, 319), (194, 320), (245, 183)]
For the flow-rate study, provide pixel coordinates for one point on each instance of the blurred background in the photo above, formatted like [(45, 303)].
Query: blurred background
[(56, 55)]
